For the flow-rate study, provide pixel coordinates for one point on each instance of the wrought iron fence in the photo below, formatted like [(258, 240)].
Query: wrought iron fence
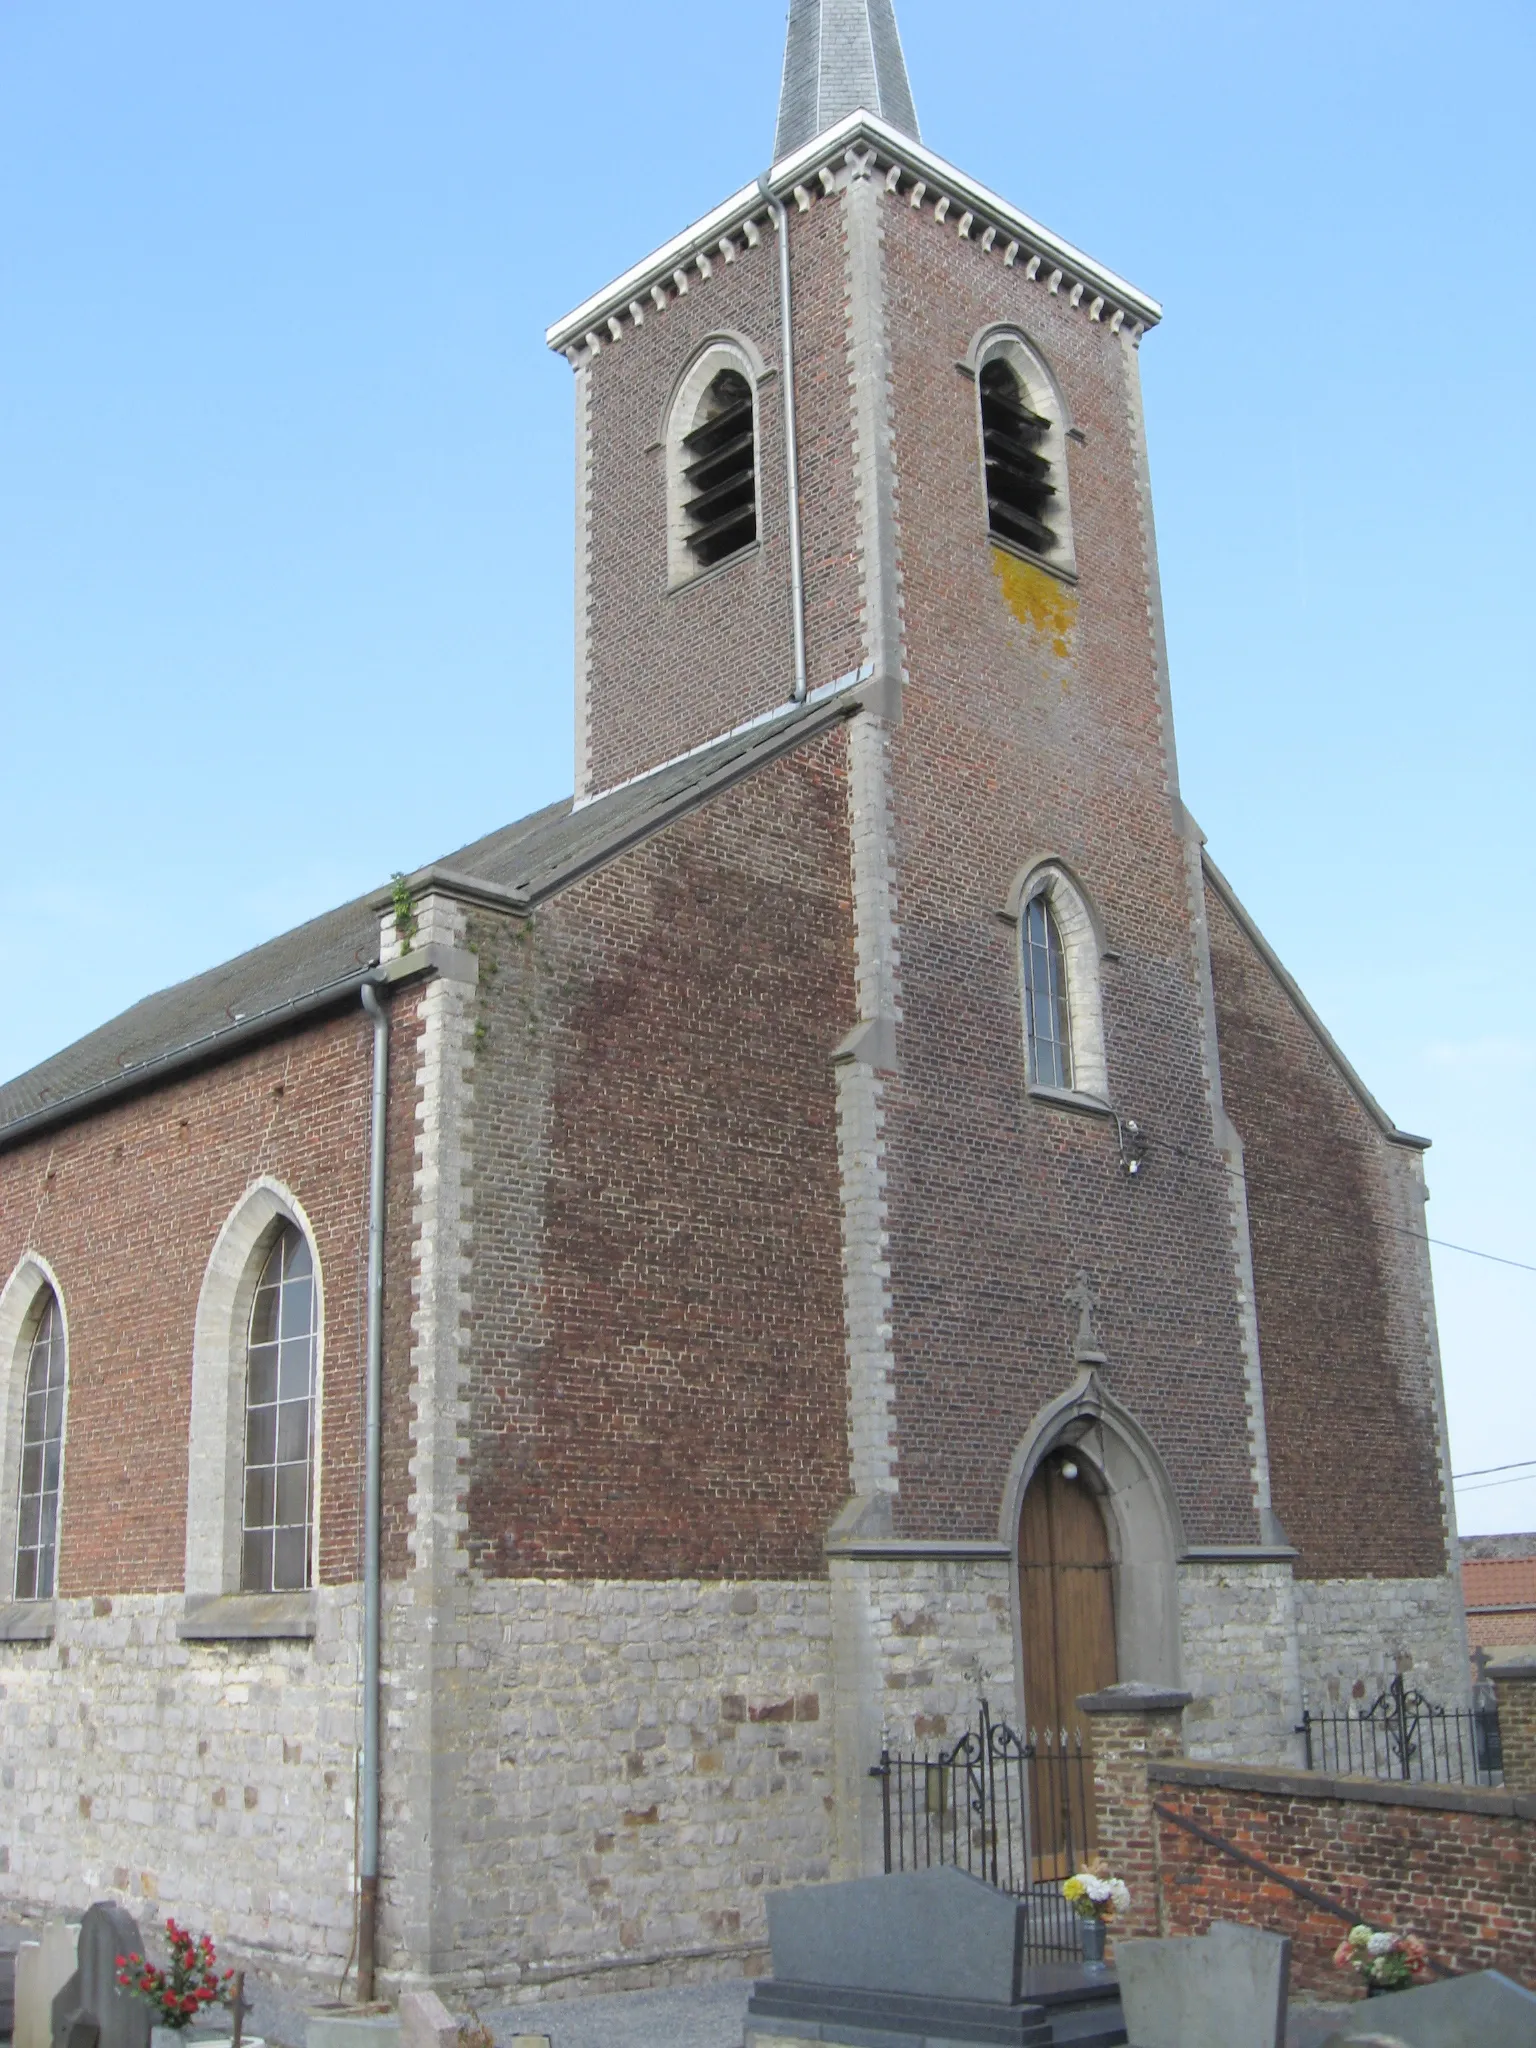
[(1017, 1813), (1403, 1735)]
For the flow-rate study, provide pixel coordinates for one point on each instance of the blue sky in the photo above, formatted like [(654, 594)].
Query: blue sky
[(285, 479)]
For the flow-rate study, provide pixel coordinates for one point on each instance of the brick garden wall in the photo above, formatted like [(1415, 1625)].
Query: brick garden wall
[(126, 1205), (1457, 1868)]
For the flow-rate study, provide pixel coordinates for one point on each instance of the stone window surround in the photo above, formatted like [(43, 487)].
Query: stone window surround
[(1083, 950), (21, 1304), (216, 1439), (722, 351), (1045, 395)]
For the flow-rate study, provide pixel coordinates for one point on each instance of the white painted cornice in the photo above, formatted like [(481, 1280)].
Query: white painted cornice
[(975, 213)]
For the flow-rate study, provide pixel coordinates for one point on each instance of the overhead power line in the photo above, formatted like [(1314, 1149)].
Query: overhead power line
[(1482, 1471)]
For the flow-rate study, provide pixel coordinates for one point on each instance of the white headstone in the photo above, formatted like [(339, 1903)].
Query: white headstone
[(43, 1968)]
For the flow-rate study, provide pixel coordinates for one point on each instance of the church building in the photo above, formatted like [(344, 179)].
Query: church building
[(513, 1393)]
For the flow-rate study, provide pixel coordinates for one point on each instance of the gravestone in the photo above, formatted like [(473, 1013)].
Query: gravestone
[(1225, 1989), (43, 1968), (1483, 2010), (425, 2022), (92, 2010), (918, 1956)]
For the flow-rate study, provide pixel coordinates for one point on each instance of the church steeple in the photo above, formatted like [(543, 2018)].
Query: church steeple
[(840, 55)]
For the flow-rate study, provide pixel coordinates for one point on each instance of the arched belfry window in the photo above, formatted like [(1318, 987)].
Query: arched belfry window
[(1047, 1006), (1020, 494), (42, 1449), (711, 439), (1024, 422), (720, 470), (280, 1421)]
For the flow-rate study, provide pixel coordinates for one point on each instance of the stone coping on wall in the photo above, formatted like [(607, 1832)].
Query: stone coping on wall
[(1270, 1783), (247, 1617), (26, 1621)]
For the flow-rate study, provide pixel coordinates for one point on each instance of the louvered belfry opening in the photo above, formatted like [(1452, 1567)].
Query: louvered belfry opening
[(720, 472), (1020, 495)]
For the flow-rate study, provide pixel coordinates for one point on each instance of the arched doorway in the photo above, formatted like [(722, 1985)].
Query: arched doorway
[(1067, 1611)]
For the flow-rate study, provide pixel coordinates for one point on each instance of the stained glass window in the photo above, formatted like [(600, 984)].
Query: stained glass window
[(279, 1422), (1047, 1018), (42, 1444)]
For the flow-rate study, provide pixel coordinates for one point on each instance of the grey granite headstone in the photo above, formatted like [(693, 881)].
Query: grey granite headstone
[(1225, 1989), (93, 2011), (937, 1933), (1483, 2010)]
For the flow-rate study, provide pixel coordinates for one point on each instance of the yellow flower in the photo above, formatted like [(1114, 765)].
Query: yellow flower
[(1073, 1889)]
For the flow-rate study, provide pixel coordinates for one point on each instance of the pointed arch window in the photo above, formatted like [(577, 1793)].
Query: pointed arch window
[(42, 1450), (720, 471), (1047, 1009), (280, 1421), (1020, 492), (712, 434), (1024, 425)]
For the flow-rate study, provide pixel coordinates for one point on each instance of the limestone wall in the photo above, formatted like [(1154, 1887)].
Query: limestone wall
[(641, 1761), (212, 1782), (1238, 1626), (1362, 1631)]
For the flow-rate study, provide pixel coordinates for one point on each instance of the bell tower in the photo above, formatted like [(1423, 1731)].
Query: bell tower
[(1032, 1088)]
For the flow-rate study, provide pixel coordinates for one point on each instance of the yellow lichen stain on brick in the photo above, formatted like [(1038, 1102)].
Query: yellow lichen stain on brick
[(1037, 600)]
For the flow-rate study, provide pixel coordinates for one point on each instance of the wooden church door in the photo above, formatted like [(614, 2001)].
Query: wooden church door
[(1067, 1604)]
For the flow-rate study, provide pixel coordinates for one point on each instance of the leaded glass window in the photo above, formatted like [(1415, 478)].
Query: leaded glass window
[(279, 1421), (1047, 1017), (42, 1445)]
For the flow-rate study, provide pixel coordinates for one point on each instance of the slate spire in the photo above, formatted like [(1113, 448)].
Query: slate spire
[(840, 55)]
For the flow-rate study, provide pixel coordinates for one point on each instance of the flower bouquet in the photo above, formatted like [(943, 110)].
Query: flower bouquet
[(1387, 1962), (188, 1987), (1094, 1898)]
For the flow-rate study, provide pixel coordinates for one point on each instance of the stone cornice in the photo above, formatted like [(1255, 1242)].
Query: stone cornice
[(908, 171)]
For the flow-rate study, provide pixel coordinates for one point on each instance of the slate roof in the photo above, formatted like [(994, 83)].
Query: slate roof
[(323, 962), (840, 56)]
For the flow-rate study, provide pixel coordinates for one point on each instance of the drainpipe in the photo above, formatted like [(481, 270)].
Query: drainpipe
[(791, 442), (368, 1859)]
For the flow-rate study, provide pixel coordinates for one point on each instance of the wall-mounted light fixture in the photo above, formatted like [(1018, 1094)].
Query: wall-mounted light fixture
[(1133, 1146)]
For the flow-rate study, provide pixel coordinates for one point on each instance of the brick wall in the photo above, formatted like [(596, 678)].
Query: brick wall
[(1032, 723), (657, 1378), (1350, 1374), (669, 670), (1457, 1868), (126, 1205)]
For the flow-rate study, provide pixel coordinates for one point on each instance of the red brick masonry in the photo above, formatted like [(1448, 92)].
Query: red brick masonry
[(1456, 1867)]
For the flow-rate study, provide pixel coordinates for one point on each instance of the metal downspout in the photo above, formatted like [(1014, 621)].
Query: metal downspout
[(368, 1858), (791, 439)]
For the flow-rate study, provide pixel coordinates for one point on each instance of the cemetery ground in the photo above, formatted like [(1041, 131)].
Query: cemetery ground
[(695, 2016)]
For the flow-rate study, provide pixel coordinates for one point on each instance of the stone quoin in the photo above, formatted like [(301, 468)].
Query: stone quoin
[(854, 1176)]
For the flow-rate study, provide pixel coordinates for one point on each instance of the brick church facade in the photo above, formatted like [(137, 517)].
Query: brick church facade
[(863, 1103)]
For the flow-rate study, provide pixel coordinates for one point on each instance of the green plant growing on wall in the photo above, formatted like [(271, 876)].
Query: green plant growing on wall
[(405, 910)]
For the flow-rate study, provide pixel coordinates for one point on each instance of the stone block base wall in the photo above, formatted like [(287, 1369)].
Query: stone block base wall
[(1238, 1627), (1457, 1868), (1362, 1632), (211, 1782), (639, 1762)]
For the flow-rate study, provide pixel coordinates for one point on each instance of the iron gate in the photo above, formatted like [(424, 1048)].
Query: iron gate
[(1016, 1813), (1404, 1735)]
